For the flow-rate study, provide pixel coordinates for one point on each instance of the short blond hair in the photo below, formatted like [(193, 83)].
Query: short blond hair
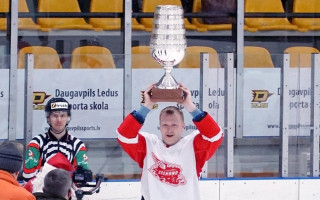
[(170, 110)]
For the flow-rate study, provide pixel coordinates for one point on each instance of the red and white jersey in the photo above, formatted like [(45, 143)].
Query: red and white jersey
[(172, 172)]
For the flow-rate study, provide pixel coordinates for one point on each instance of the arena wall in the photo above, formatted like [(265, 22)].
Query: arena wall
[(224, 189)]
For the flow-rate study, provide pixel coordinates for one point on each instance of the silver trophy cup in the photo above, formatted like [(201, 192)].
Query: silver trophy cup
[(168, 47)]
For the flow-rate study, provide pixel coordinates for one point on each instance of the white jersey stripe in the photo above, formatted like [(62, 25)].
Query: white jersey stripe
[(127, 140), (214, 138)]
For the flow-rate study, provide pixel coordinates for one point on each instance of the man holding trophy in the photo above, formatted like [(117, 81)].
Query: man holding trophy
[(171, 165)]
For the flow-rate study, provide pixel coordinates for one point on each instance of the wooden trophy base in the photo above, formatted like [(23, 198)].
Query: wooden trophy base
[(167, 95)]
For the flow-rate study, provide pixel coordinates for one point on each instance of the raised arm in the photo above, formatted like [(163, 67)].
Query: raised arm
[(128, 132), (187, 102), (210, 137)]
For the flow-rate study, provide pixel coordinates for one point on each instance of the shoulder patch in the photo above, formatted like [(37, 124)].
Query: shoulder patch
[(32, 158)]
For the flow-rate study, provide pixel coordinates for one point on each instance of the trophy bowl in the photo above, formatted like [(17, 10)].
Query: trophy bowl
[(168, 47)]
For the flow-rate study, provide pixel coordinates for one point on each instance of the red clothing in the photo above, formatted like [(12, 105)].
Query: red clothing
[(203, 148), (10, 188), (170, 172)]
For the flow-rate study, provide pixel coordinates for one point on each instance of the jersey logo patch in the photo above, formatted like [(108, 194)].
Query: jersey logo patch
[(82, 159), (167, 172), (32, 155)]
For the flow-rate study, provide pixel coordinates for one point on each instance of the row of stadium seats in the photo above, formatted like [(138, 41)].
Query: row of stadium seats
[(101, 57), (82, 57), (70, 6), (99, 24), (259, 57), (275, 6)]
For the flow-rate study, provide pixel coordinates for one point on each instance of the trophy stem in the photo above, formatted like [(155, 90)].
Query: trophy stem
[(167, 82)]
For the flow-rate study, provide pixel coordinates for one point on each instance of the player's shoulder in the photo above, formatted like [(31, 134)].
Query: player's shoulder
[(190, 136), (38, 138), (74, 139), (151, 137)]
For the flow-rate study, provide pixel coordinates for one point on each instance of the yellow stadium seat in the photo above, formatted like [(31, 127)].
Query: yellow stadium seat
[(137, 26), (23, 23), (150, 5), (267, 24), (110, 23), (307, 6), (257, 57), (192, 57), (196, 8), (85, 57), (300, 56), (65, 6), (4, 7), (141, 58), (44, 57)]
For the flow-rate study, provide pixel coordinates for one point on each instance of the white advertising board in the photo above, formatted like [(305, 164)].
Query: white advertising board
[(4, 103), (261, 108), (96, 96)]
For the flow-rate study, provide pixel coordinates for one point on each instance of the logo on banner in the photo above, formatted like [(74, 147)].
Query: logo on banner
[(38, 100), (167, 172), (260, 96)]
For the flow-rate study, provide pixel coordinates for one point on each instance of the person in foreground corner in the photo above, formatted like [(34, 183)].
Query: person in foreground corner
[(10, 165), (171, 165), (57, 186)]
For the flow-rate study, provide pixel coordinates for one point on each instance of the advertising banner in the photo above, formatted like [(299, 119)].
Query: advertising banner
[(96, 96), (4, 103), (261, 109)]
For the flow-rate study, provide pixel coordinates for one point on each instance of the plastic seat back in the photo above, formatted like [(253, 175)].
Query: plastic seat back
[(196, 8), (110, 23), (23, 23), (44, 57), (192, 57), (150, 5), (141, 58), (61, 23), (300, 56), (85, 57), (4, 7), (261, 6), (307, 6), (257, 57)]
